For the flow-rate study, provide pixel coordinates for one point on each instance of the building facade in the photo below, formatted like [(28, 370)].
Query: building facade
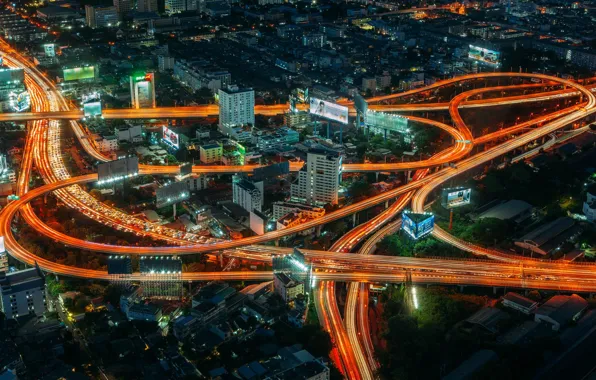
[(23, 293), (236, 107), (318, 181), (248, 194)]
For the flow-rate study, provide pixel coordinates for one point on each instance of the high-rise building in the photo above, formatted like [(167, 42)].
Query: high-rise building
[(175, 6), (247, 194), (101, 17), (236, 106), (318, 181), (125, 6), (147, 5), (142, 90), (23, 293)]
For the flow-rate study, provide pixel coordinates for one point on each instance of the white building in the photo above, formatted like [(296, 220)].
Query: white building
[(590, 207), (236, 107), (132, 134), (107, 144), (197, 182), (247, 194), (23, 293), (101, 17), (287, 287), (210, 153), (318, 181)]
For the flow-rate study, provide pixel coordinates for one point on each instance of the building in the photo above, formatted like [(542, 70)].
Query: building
[(132, 134), (197, 182), (589, 208), (513, 210), (282, 208), (196, 77), (184, 325), (124, 6), (101, 17), (165, 63), (473, 364), (318, 180), (248, 194), (561, 310), (287, 287), (369, 84), (107, 144), (298, 119), (236, 107), (316, 40), (142, 90), (277, 140), (550, 237), (517, 302), (214, 301), (144, 312), (147, 6), (23, 293), (211, 153)]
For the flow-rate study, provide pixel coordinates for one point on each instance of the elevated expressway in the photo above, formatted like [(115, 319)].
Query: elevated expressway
[(356, 276)]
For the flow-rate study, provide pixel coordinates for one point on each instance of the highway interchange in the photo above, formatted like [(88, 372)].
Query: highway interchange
[(349, 334)]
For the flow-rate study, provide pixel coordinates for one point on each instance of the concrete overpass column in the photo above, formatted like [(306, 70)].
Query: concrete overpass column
[(387, 204), (385, 134), (461, 288), (276, 242), (376, 176), (220, 256), (318, 230)]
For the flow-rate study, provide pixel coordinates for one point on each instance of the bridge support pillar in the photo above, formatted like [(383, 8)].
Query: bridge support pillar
[(376, 176), (495, 289), (354, 219), (220, 255), (276, 242), (385, 134), (387, 204), (318, 230), (461, 288)]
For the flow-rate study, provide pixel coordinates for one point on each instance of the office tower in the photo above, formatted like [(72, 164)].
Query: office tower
[(23, 293), (101, 17), (147, 5), (318, 181), (247, 194), (236, 106)]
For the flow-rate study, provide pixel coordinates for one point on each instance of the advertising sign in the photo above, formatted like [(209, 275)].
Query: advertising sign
[(49, 50), (417, 225), (172, 193), (19, 102), (329, 110), (170, 137), (117, 170), (388, 121), (484, 55), (455, 197), (92, 104), (79, 73)]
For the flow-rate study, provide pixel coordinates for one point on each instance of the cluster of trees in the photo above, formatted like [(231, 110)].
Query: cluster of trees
[(401, 245), (418, 345)]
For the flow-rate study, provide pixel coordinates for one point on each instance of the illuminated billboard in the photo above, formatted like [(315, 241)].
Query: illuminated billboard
[(388, 121), (456, 197), (484, 55), (142, 90), (172, 193), (170, 137), (417, 225), (19, 102), (329, 110), (49, 50), (92, 104), (79, 73)]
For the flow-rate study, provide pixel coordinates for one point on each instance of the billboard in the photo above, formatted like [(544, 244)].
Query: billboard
[(20, 101), (329, 110), (360, 104), (172, 193), (142, 90), (49, 50), (417, 225), (92, 104), (388, 121), (117, 170), (119, 264), (455, 197), (478, 53), (170, 137), (79, 73), (160, 264), (302, 95)]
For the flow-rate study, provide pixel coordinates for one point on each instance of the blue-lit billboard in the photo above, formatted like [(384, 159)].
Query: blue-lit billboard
[(417, 225)]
